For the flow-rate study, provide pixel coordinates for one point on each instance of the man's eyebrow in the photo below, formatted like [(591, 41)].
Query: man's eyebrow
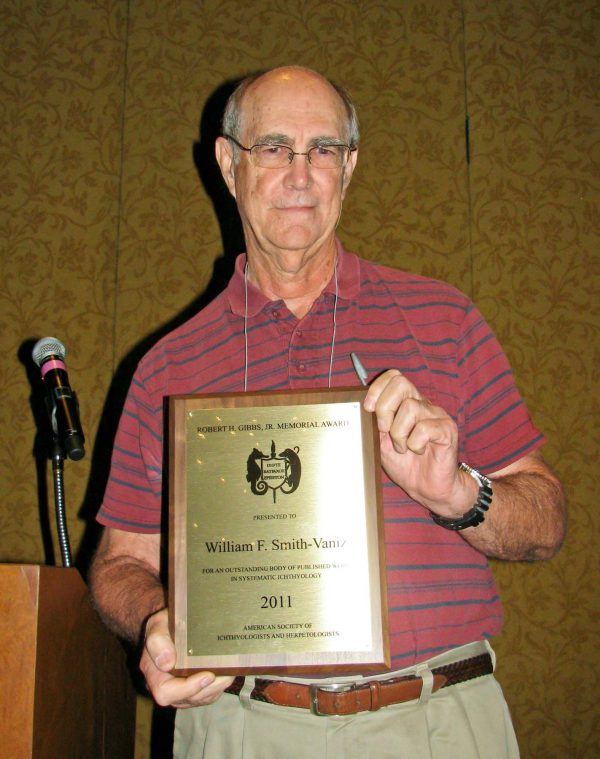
[(326, 140), (276, 138), (273, 138)]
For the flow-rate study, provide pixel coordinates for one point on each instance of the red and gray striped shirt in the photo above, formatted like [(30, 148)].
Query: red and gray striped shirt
[(441, 592)]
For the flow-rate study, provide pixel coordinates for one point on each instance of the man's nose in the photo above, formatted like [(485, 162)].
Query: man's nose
[(298, 173)]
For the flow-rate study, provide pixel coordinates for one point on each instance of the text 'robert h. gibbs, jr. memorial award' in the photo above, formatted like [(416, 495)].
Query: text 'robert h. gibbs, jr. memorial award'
[(276, 558)]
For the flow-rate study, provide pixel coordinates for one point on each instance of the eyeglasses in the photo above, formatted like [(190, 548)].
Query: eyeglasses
[(269, 156)]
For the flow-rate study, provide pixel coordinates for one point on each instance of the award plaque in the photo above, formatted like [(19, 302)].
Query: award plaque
[(276, 556)]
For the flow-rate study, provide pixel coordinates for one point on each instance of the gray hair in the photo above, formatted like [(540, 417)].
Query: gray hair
[(232, 116)]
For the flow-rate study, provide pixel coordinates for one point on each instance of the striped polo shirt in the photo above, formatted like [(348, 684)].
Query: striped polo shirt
[(441, 592)]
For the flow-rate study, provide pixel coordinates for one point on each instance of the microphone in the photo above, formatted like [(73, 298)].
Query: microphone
[(49, 353)]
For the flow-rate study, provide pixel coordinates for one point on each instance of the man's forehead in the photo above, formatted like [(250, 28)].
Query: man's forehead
[(281, 105)]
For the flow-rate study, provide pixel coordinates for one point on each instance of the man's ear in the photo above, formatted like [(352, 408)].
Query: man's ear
[(225, 159), (349, 170)]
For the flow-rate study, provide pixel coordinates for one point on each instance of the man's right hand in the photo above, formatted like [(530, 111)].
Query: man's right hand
[(158, 659)]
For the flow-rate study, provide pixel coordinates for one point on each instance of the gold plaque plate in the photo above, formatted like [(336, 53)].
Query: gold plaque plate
[(276, 559)]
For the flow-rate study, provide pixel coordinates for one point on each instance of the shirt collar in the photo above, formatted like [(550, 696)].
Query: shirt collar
[(348, 284)]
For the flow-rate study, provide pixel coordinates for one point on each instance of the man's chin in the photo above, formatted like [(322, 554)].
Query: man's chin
[(293, 240), (297, 243)]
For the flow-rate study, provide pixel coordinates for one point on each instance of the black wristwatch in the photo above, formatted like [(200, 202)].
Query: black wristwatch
[(476, 515)]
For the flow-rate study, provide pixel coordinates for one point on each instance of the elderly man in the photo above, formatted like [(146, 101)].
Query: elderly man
[(447, 411)]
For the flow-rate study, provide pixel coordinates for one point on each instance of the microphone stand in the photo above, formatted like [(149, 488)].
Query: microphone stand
[(58, 458)]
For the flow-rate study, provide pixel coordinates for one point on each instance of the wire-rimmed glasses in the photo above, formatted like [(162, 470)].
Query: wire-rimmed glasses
[(275, 156)]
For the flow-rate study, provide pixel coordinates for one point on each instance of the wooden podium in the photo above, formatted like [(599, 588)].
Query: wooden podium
[(66, 691)]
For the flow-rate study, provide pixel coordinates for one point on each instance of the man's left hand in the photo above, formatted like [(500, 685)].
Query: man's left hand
[(419, 446)]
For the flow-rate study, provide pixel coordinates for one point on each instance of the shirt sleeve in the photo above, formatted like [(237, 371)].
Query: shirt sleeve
[(496, 427), (133, 496)]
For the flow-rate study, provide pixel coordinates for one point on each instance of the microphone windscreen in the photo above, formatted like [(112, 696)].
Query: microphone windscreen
[(47, 346)]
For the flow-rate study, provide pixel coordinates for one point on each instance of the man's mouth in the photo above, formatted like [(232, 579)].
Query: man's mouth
[(296, 207)]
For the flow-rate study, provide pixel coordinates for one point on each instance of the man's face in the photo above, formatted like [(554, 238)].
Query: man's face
[(295, 208)]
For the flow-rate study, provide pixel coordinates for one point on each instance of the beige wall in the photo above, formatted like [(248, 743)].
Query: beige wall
[(109, 232)]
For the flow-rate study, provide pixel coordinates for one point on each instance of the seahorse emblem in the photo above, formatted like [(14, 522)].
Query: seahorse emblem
[(275, 472)]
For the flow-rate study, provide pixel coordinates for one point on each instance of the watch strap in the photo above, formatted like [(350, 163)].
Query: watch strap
[(476, 514)]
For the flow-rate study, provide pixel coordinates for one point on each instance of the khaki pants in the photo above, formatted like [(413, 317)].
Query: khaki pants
[(465, 721)]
